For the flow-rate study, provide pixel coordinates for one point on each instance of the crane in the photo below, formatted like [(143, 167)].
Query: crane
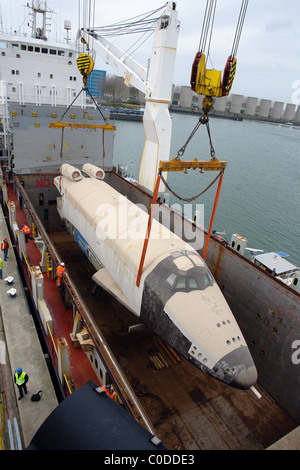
[(210, 82)]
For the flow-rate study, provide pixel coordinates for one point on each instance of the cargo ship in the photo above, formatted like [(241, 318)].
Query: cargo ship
[(87, 327)]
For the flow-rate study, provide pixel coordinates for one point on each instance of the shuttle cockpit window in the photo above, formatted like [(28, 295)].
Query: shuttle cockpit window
[(196, 279)]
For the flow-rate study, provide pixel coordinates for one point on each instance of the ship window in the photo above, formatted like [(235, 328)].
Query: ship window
[(71, 78), (18, 56), (13, 72), (51, 75), (62, 53), (30, 48), (3, 45), (39, 74), (23, 47), (15, 46), (52, 51), (37, 49), (44, 50), (3, 53), (70, 54), (17, 72), (13, 89)]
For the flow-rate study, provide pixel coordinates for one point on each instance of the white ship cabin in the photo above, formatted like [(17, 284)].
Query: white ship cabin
[(278, 266), (36, 70)]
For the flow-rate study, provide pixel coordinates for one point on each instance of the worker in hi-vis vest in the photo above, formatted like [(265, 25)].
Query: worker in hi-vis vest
[(4, 248), (60, 271), (26, 230), (21, 379)]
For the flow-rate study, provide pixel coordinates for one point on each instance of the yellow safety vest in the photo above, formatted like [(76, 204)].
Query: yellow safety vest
[(20, 379)]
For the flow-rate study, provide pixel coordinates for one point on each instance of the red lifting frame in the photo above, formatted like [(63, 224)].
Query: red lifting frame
[(213, 215), (151, 215)]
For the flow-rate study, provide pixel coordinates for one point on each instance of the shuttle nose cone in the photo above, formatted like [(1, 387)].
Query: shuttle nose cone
[(237, 369), (245, 379)]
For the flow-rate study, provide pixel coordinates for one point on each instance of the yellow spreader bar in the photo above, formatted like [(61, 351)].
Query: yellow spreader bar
[(180, 165), (60, 125)]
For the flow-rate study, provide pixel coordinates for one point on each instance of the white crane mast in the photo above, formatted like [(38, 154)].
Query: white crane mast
[(156, 83)]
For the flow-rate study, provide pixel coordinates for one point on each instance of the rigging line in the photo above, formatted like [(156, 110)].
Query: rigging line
[(239, 27), (242, 24), (237, 30), (207, 23), (202, 31), (204, 27), (211, 29), (132, 52), (150, 29), (71, 104), (94, 101), (131, 27), (136, 42), (123, 25), (129, 20)]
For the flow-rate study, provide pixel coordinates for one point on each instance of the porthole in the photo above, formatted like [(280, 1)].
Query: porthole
[(228, 342)]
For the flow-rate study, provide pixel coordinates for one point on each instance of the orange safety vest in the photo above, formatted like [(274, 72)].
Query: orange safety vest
[(26, 229), (59, 273), (109, 392)]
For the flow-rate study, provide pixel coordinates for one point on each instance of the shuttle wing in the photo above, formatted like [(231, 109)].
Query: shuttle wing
[(105, 280)]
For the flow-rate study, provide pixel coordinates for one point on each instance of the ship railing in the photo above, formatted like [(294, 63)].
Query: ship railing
[(56, 355)]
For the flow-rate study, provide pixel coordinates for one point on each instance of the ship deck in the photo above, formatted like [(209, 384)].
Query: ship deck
[(194, 411), (189, 410)]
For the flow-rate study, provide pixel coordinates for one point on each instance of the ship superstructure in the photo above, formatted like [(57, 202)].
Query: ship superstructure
[(38, 82)]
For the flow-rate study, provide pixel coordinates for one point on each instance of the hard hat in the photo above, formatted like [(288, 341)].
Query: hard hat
[(62, 264), (19, 370), (5, 239), (22, 225), (12, 292), (108, 386)]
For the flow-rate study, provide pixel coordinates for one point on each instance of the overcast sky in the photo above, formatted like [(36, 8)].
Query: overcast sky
[(268, 55)]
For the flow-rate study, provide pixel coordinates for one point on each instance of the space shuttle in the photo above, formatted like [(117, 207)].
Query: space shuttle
[(177, 297)]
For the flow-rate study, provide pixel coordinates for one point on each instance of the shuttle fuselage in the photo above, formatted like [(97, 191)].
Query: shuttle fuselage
[(178, 297)]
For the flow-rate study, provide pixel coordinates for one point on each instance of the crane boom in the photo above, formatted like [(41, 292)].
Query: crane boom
[(155, 82), (134, 74)]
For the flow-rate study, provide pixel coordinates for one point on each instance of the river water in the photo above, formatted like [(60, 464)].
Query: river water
[(260, 195)]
